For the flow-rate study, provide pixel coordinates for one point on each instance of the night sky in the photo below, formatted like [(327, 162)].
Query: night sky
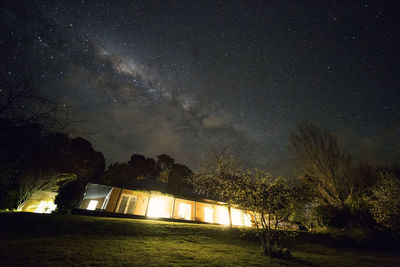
[(185, 77)]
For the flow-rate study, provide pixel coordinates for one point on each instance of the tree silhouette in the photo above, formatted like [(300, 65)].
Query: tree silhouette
[(320, 163)]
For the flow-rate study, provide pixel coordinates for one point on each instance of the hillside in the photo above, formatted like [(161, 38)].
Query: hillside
[(37, 239)]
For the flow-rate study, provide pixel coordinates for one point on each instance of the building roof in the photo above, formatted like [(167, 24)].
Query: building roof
[(150, 184)]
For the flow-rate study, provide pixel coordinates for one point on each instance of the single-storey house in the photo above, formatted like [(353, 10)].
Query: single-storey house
[(156, 204)]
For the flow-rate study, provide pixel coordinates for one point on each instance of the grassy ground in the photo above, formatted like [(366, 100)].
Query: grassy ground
[(35, 239)]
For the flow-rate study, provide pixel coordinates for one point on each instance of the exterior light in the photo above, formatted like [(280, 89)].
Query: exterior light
[(45, 207)]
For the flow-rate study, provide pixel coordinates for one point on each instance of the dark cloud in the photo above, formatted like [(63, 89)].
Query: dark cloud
[(381, 148)]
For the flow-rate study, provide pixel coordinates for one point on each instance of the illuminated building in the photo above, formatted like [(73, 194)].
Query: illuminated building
[(140, 202)]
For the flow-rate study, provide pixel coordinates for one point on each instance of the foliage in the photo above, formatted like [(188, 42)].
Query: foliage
[(331, 216), (118, 174), (177, 177), (343, 194), (72, 155), (165, 164), (31, 161), (268, 199), (143, 167), (69, 195), (139, 167), (385, 201)]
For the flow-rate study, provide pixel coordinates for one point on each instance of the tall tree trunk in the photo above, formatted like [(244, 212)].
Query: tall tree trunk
[(263, 244), (266, 245)]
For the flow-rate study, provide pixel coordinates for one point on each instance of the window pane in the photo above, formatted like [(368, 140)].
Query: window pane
[(131, 205), (184, 211), (208, 215), (92, 205), (122, 206)]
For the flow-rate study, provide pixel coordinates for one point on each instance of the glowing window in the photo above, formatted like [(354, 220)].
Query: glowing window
[(185, 211), (157, 208), (247, 219), (208, 215), (127, 204), (45, 207), (236, 217), (92, 205), (222, 215)]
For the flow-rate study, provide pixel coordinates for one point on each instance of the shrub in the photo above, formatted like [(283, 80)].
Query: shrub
[(69, 195), (385, 201), (330, 216)]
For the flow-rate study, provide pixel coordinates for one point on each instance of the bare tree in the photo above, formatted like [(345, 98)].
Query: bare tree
[(33, 182), (22, 102), (321, 164)]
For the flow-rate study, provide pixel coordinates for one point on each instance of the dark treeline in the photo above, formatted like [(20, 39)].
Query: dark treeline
[(341, 193), (139, 168), (32, 160), (331, 190)]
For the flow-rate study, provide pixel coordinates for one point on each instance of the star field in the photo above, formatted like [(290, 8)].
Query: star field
[(181, 77)]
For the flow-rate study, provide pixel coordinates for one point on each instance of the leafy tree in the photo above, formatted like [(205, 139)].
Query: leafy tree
[(178, 175), (72, 155), (145, 168), (385, 201), (165, 164), (31, 161), (8, 187), (69, 195), (118, 174), (268, 199)]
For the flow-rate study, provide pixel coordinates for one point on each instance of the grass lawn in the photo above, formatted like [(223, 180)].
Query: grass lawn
[(36, 239)]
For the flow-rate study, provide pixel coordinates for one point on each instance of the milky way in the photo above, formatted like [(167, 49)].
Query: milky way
[(182, 78)]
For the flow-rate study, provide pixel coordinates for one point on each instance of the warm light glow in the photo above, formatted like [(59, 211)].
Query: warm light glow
[(46, 207), (247, 219), (92, 204), (222, 215), (158, 208), (236, 217), (185, 211), (208, 215)]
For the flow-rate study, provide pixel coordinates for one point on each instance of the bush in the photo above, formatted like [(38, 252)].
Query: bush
[(330, 216), (8, 199), (69, 195), (385, 201)]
